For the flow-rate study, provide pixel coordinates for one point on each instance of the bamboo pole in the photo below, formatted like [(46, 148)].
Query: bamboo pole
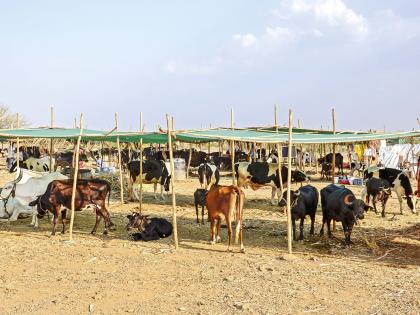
[(171, 159), (289, 176), (75, 175), (333, 159), (51, 140), (232, 147), (119, 162), (189, 161), (279, 154), (17, 142), (141, 165)]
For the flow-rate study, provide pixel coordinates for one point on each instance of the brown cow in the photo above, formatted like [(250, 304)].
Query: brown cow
[(227, 201), (57, 198)]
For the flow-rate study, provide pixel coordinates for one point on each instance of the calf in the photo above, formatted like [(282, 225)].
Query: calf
[(226, 201), (326, 170), (380, 190), (151, 229), (208, 175), (399, 183), (200, 200), (304, 201), (340, 204), (57, 198)]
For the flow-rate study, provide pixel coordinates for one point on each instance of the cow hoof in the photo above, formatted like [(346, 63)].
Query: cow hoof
[(242, 250), (93, 232), (218, 239), (105, 232), (212, 242), (229, 250)]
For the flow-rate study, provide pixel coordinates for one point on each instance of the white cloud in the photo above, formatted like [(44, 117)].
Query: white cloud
[(279, 33), (332, 12), (246, 40)]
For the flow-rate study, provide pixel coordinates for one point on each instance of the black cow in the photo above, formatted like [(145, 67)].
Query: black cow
[(399, 182), (200, 200), (304, 201), (197, 157), (340, 204), (208, 175), (151, 229), (339, 161), (326, 170), (259, 174), (65, 159), (154, 172), (222, 163), (380, 190)]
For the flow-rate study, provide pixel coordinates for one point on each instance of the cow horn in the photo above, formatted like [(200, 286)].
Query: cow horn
[(347, 201), (18, 179), (297, 193)]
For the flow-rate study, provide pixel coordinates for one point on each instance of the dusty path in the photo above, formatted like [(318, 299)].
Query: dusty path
[(113, 275)]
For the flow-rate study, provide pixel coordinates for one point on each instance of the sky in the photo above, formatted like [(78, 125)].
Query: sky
[(197, 59)]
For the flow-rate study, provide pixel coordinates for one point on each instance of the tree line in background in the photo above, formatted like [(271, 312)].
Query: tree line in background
[(8, 119)]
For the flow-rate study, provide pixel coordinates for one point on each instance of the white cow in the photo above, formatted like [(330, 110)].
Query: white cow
[(10, 210), (29, 191)]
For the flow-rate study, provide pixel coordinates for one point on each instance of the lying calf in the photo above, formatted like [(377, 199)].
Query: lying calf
[(151, 229)]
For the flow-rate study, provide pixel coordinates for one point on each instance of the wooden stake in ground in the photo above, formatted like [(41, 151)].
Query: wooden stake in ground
[(171, 159), (51, 140), (279, 153), (189, 161), (119, 161), (232, 146), (17, 142), (141, 165), (333, 158), (289, 176), (75, 175)]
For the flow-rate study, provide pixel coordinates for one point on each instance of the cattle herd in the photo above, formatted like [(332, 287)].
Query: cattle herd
[(36, 190)]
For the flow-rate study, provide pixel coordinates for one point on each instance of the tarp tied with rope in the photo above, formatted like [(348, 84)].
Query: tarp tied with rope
[(197, 136)]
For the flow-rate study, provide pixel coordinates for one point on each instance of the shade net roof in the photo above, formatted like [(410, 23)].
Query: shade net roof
[(197, 136)]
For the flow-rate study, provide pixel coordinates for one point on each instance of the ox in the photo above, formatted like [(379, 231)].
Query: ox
[(303, 201), (154, 172), (400, 184), (208, 175), (57, 198), (259, 174), (11, 209), (151, 229), (340, 204), (380, 190), (227, 201)]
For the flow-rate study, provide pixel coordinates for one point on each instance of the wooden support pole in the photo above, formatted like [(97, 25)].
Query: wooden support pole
[(17, 142), (119, 162), (141, 165), (171, 160), (189, 161), (289, 176), (279, 154), (51, 140), (75, 176), (232, 146), (334, 146)]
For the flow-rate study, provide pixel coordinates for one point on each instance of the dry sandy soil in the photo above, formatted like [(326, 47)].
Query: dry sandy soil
[(111, 274)]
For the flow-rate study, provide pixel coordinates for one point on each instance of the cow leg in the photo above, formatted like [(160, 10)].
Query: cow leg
[(202, 215), (161, 193), (383, 208), (229, 226), (301, 228), (55, 219), (98, 220), (347, 228), (63, 220), (294, 228), (212, 231), (329, 227), (374, 204), (273, 194), (155, 189), (321, 232), (218, 237), (401, 202), (312, 225), (196, 213)]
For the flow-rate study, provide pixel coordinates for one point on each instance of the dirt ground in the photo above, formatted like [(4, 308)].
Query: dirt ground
[(111, 274)]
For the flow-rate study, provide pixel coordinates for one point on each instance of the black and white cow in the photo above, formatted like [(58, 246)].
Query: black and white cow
[(304, 201), (150, 229), (154, 172), (208, 174), (400, 184), (339, 161), (340, 204), (380, 190), (259, 174)]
